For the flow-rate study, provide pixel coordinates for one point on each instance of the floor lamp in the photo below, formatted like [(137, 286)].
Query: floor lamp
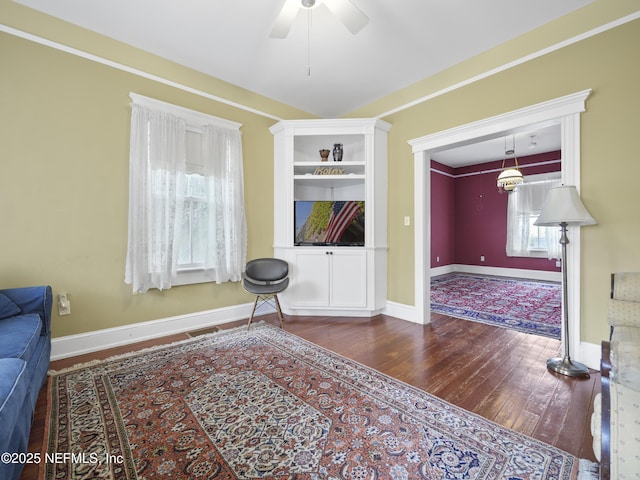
[(563, 207)]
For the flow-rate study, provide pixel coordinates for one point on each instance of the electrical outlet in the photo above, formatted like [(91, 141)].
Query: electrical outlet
[(64, 306), (407, 221), (482, 258)]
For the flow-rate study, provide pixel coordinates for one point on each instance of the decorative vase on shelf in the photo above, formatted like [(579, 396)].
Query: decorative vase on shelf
[(324, 154), (337, 152)]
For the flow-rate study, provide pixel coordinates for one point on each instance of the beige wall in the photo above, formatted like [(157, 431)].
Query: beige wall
[(64, 186), (64, 145), (64, 126), (608, 63)]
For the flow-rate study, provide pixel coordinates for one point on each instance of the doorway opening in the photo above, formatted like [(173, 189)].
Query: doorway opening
[(488, 263), (564, 111)]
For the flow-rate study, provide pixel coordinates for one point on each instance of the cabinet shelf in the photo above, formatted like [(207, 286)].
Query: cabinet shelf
[(319, 178), (329, 187), (328, 164), (333, 169)]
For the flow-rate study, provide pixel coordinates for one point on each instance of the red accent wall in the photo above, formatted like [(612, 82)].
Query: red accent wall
[(443, 216), (469, 215)]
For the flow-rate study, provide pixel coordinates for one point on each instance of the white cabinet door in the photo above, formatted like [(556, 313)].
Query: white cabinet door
[(329, 278), (348, 279), (310, 279)]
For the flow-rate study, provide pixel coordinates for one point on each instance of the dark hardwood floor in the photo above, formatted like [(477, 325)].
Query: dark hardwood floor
[(497, 373)]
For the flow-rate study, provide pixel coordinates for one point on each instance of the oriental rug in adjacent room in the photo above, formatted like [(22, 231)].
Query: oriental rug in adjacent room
[(526, 306), (263, 403)]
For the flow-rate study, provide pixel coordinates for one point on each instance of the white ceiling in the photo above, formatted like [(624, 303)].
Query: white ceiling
[(405, 41), (532, 140)]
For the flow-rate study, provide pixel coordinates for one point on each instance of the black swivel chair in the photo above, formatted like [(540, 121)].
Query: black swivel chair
[(265, 278)]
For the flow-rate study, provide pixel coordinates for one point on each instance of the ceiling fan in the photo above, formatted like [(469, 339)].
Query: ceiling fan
[(350, 15)]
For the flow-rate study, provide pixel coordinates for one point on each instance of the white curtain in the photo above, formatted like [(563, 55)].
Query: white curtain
[(227, 230), (156, 172), (156, 200), (524, 206)]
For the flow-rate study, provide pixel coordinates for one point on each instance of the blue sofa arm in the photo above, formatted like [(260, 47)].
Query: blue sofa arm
[(33, 300)]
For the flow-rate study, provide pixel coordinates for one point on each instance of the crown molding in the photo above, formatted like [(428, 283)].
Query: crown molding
[(135, 71), (527, 58)]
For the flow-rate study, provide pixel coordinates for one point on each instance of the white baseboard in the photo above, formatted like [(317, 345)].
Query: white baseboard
[(499, 272), (78, 344), (443, 270), (590, 354), (401, 311), (72, 345)]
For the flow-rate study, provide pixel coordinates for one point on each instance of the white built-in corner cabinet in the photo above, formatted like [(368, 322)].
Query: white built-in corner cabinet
[(332, 280)]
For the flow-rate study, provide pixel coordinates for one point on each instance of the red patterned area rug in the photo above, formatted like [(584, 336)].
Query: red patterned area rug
[(526, 306), (266, 404)]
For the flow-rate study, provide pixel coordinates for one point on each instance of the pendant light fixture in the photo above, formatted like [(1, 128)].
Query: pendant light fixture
[(509, 178)]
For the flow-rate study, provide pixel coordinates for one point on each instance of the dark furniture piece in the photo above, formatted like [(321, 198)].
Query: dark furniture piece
[(25, 350), (266, 278)]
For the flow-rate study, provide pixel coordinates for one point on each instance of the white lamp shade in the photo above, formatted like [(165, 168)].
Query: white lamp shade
[(563, 205)]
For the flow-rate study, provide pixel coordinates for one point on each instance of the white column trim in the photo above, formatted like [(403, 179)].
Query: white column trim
[(422, 226), (570, 138)]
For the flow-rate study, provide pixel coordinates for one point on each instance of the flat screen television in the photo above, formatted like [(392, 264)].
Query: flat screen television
[(322, 222)]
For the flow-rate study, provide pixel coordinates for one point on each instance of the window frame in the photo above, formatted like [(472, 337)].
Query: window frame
[(533, 252)]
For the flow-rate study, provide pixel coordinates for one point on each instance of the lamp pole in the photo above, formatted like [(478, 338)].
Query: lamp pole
[(565, 365)]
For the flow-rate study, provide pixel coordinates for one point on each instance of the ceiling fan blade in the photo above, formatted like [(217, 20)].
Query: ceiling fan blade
[(352, 17), (285, 19)]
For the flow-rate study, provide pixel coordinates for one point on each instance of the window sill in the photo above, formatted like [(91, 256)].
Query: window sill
[(534, 254), (191, 277)]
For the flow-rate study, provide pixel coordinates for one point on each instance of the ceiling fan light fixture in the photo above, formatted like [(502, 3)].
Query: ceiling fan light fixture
[(350, 15), (310, 3)]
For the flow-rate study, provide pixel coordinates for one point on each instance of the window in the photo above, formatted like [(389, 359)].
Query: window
[(192, 245), (186, 200), (524, 239), (193, 230)]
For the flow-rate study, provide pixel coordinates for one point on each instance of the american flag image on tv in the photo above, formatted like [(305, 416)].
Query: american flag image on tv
[(342, 214)]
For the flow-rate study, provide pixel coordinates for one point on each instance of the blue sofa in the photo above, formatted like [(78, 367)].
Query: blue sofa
[(25, 350)]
